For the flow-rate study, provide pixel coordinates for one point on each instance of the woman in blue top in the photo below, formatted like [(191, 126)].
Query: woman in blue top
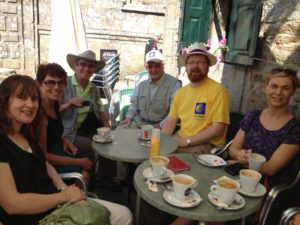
[(273, 132)]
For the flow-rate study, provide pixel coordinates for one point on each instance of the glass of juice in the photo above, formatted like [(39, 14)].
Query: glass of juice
[(155, 142)]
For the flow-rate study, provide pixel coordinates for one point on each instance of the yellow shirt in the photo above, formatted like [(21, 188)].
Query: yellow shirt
[(197, 108)]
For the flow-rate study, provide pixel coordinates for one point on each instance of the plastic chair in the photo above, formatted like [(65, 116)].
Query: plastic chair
[(75, 177), (288, 214), (119, 105), (279, 198), (142, 75)]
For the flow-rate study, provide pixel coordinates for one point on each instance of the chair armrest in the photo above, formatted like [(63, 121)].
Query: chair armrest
[(75, 176), (288, 214)]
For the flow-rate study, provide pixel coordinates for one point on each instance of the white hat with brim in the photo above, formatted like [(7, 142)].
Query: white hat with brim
[(87, 55), (197, 49), (154, 56)]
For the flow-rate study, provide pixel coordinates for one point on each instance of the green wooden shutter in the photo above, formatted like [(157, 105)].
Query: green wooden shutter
[(243, 31), (196, 22)]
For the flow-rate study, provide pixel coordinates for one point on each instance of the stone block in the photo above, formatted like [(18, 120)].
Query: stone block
[(12, 23), (2, 23), (12, 1), (11, 63), (3, 50), (9, 8), (11, 37)]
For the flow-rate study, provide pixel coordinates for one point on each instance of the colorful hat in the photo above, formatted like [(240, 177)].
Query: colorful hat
[(197, 49)]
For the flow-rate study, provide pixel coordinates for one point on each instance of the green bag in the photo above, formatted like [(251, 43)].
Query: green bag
[(77, 214)]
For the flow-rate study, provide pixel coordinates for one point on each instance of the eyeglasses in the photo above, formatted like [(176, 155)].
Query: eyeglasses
[(52, 83), (150, 66), (197, 63), (288, 72), (89, 65)]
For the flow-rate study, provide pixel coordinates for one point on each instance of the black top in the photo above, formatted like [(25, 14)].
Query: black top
[(55, 128), (150, 45), (30, 175)]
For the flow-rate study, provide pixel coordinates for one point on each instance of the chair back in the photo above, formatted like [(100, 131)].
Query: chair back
[(235, 118), (119, 105), (142, 75), (106, 79), (288, 215), (278, 199)]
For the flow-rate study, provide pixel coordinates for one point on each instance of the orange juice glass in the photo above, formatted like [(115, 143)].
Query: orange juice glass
[(155, 142)]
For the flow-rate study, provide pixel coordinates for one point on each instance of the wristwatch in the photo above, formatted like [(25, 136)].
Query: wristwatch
[(188, 142)]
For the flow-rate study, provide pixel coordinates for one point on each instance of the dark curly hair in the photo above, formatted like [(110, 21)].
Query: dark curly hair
[(20, 85), (51, 69)]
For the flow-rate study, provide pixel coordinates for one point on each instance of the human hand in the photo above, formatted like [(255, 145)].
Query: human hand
[(75, 102), (157, 126), (83, 202), (243, 156), (181, 142), (85, 164), (126, 121), (69, 147), (73, 194)]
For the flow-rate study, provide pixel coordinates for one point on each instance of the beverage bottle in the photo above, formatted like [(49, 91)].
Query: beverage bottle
[(155, 142)]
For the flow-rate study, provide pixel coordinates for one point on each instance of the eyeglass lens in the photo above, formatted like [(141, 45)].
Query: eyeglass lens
[(52, 83), (89, 65)]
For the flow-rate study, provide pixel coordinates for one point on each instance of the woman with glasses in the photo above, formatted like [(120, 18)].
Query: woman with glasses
[(273, 132), (62, 154), (30, 188)]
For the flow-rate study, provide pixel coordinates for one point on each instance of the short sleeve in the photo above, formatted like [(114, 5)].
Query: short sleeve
[(293, 135), (247, 121)]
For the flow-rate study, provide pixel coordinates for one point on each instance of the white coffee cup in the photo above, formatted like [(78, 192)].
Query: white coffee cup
[(183, 185), (255, 161), (225, 190), (146, 131), (104, 132), (249, 180), (159, 166)]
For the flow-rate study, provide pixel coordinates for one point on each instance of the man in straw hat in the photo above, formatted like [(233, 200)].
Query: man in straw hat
[(201, 107), (82, 105)]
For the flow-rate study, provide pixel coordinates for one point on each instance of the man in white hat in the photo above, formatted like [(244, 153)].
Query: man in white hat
[(82, 105), (201, 107), (151, 100)]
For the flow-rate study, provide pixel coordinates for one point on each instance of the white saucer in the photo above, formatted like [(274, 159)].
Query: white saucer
[(193, 200), (211, 160), (147, 173), (101, 140), (259, 191), (144, 139), (238, 203)]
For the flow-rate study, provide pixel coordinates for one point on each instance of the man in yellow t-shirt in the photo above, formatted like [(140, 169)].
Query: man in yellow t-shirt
[(201, 107)]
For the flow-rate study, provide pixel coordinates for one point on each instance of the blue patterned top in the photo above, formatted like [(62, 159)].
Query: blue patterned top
[(265, 142)]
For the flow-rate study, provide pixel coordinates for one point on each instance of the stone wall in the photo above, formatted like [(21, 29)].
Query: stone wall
[(110, 24), (125, 25)]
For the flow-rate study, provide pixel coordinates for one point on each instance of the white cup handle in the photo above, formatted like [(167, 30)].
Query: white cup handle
[(163, 171), (213, 189), (195, 183)]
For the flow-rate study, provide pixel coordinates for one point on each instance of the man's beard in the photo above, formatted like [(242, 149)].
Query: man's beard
[(196, 77)]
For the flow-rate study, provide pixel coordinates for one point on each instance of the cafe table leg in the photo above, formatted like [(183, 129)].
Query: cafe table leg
[(137, 209), (243, 221)]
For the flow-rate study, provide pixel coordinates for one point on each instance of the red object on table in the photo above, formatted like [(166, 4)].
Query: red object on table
[(177, 165)]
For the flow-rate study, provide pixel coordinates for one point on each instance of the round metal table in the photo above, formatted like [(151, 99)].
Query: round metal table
[(127, 147), (205, 211)]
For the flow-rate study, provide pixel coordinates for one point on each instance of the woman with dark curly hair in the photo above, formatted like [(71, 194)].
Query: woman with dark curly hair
[(60, 152)]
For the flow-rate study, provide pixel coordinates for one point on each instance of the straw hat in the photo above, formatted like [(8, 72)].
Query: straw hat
[(197, 49), (87, 55)]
